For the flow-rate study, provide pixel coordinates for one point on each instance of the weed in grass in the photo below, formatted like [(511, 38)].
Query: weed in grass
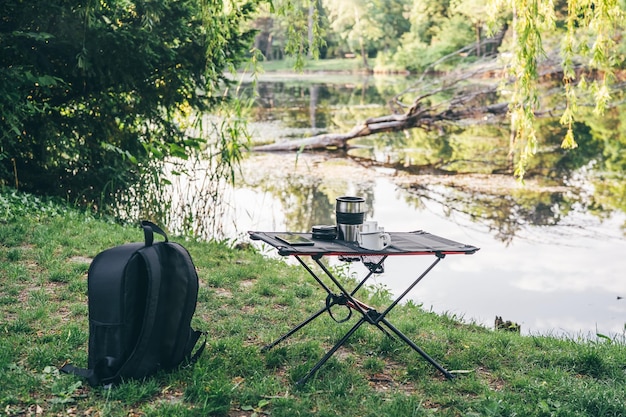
[(238, 359), (133, 392), (61, 275), (388, 346), (74, 336), (13, 272), (590, 362), (38, 297), (176, 410), (265, 289), (275, 357), (73, 291), (43, 355), (210, 390), (14, 254), (304, 291), (13, 235), (603, 402), (257, 409), (64, 390), (373, 365), (8, 299), (405, 405), (297, 372), (20, 325)]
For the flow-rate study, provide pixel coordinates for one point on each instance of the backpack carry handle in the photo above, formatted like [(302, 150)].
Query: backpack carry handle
[(149, 229)]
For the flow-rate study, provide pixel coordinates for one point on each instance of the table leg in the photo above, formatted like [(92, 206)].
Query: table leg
[(417, 348), (372, 271), (322, 310), (330, 353), (368, 316), (397, 300), (295, 329)]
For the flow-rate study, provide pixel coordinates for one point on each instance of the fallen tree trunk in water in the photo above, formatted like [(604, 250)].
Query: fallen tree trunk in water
[(465, 105), (415, 117)]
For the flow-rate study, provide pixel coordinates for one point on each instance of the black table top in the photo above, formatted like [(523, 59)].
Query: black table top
[(402, 243)]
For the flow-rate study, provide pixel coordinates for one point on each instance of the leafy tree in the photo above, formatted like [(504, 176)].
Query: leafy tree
[(436, 31), (369, 27), (591, 32), (91, 92), (476, 12), (298, 24)]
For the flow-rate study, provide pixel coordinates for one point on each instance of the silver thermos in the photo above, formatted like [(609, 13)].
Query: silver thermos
[(350, 212)]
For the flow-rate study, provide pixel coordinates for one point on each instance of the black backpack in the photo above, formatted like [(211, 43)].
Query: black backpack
[(142, 297)]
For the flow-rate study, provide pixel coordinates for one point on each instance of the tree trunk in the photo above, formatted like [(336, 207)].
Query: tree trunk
[(311, 12), (478, 43), (269, 48), (357, 20), (314, 89), (414, 117)]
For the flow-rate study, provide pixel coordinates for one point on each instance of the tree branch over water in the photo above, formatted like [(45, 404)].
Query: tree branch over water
[(448, 99), (420, 114)]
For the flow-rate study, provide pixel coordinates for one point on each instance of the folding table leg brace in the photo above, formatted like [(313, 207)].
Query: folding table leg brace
[(335, 299), (368, 314)]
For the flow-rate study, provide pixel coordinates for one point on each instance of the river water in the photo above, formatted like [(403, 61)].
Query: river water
[(563, 280), (551, 258)]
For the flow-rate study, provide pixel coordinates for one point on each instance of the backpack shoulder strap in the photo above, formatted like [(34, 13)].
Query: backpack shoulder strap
[(134, 361), (93, 376), (108, 370)]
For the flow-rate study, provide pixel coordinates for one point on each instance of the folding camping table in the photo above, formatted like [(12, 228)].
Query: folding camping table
[(402, 243)]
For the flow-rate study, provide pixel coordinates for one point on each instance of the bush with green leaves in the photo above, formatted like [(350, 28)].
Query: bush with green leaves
[(91, 92)]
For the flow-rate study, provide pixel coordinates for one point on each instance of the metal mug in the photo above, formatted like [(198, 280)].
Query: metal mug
[(350, 212)]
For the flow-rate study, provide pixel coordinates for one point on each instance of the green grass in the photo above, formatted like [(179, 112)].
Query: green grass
[(245, 302), (338, 65)]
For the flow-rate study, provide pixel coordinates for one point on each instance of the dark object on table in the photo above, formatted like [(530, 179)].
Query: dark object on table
[(294, 239), (324, 232)]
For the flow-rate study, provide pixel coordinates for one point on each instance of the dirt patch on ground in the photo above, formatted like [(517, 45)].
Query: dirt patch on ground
[(223, 293), (81, 260)]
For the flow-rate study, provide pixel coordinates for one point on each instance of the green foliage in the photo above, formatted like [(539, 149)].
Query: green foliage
[(91, 92), (590, 34)]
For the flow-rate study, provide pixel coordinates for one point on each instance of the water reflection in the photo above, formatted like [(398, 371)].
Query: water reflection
[(599, 162), (553, 271), (551, 250), (505, 216)]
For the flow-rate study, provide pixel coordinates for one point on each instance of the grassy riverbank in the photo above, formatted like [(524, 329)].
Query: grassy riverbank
[(323, 65), (247, 301)]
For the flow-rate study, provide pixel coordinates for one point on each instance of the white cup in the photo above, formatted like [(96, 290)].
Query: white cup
[(375, 240), (369, 226)]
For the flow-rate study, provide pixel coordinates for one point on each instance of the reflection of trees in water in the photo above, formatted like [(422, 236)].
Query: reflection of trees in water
[(600, 161), (504, 215), (309, 201), (609, 193), (508, 216)]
